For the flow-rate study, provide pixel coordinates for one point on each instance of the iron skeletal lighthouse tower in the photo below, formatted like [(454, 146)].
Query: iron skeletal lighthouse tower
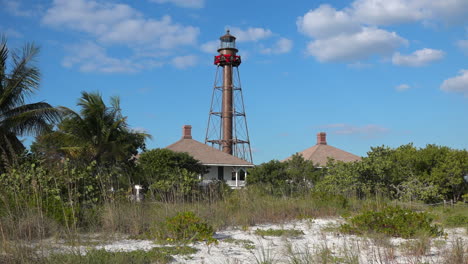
[(227, 122)]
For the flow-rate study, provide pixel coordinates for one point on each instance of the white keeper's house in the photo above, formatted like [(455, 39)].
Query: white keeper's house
[(221, 166)]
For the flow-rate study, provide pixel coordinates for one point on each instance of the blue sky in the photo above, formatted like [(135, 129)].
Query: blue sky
[(367, 72)]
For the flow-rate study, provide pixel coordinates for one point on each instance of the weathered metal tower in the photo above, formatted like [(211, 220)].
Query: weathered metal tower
[(227, 122)]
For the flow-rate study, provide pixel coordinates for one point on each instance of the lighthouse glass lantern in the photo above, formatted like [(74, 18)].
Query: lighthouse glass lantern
[(228, 41)]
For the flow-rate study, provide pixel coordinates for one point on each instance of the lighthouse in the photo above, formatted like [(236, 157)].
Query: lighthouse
[(227, 122)]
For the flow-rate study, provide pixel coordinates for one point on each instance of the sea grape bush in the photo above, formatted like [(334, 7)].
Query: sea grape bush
[(430, 174), (186, 227), (392, 221)]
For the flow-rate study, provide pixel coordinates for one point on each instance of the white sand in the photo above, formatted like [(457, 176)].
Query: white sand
[(244, 246)]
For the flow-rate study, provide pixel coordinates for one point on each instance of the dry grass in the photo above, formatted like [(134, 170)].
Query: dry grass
[(242, 208)]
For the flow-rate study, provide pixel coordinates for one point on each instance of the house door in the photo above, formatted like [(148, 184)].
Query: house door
[(221, 173)]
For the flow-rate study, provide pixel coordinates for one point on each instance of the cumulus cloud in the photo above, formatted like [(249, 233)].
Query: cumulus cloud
[(283, 45), (402, 87), (339, 37), (182, 3), (370, 130), (182, 62), (360, 25), (458, 84), (90, 57), (355, 47), (418, 58), (118, 23), (386, 12), (326, 21), (108, 24), (250, 34)]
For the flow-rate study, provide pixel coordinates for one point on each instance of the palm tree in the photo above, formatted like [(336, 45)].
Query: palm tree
[(98, 132), (17, 118)]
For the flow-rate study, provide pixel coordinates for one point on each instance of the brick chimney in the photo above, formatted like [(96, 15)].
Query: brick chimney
[(322, 138), (187, 132)]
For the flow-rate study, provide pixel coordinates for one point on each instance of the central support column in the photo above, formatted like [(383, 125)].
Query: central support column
[(227, 112)]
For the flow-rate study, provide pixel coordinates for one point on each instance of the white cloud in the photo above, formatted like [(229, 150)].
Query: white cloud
[(402, 87), (325, 21), (182, 62), (183, 3), (463, 45), (90, 57), (458, 84), (250, 34), (370, 130), (283, 45), (357, 24), (110, 24), (386, 12), (355, 47), (418, 58), (210, 46), (118, 23), (339, 37)]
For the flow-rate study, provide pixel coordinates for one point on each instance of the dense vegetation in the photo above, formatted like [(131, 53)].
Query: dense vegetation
[(80, 170), (431, 174), (393, 221)]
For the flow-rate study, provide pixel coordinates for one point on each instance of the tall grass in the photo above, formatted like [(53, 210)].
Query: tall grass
[(41, 208), (29, 216)]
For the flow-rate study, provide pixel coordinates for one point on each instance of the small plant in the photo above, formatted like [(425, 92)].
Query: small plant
[(155, 255), (456, 221), (298, 256), (392, 221), (247, 244), (279, 232), (186, 227), (264, 256)]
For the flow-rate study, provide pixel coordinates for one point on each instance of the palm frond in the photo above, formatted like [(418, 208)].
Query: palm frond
[(30, 119), (22, 81), (3, 60)]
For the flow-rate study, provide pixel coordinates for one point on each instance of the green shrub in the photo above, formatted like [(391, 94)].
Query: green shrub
[(392, 221), (185, 227), (322, 198), (456, 220), (279, 232), (247, 244)]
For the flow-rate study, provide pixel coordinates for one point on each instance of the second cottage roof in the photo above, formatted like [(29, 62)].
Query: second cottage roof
[(320, 153)]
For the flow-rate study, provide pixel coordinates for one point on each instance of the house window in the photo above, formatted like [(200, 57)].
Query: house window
[(220, 173), (241, 175)]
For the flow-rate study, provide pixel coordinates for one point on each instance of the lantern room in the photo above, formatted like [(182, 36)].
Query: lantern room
[(228, 41)]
